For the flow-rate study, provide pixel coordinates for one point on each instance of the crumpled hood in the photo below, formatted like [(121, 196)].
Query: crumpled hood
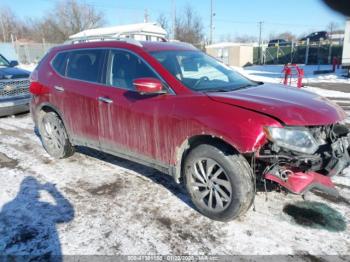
[(13, 72), (290, 105)]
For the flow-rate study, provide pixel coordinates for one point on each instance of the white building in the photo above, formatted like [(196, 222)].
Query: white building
[(142, 31), (346, 47), (232, 54)]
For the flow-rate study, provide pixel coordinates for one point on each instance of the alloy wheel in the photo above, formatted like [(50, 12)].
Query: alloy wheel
[(52, 135), (210, 184)]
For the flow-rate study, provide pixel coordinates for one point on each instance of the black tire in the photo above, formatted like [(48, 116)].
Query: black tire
[(54, 136), (236, 173)]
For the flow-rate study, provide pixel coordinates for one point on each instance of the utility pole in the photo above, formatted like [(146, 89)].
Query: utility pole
[(146, 16), (212, 14), (307, 51), (173, 14), (330, 44), (259, 50)]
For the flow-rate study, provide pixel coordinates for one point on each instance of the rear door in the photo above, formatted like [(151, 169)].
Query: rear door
[(77, 95)]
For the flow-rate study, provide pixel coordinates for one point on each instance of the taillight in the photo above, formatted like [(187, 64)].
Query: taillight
[(35, 87)]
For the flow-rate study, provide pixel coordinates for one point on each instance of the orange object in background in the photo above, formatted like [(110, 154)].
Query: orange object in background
[(335, 63), (301, 74), (293, 71), (287, 72)]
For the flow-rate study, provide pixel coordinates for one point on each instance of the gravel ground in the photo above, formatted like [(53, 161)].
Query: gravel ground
[(94, 203)]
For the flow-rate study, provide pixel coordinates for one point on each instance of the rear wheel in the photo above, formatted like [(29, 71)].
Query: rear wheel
[(54, 136), (220, 184)]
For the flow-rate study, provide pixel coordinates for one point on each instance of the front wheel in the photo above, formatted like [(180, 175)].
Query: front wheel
[(54, 136), (220, 184)]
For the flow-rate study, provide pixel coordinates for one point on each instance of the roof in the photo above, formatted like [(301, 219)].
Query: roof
[(148, 46), (166, 46), (133, 29)]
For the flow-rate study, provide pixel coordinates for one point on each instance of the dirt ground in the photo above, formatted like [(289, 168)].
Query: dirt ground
[(94, 203)]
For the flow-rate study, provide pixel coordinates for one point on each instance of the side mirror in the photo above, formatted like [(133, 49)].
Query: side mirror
[(148, 85), (13, 63)]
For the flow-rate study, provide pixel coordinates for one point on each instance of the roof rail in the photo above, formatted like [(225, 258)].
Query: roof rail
[(103, 38)]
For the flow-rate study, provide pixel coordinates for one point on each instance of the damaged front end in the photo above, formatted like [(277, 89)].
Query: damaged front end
[(304, 158)]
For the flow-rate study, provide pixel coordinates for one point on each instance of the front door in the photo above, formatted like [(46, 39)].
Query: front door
[(132, 122)]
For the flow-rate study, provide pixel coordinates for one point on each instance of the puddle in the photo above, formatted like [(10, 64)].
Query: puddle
[(316, 215)]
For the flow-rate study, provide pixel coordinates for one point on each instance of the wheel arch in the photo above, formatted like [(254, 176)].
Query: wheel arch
[(47, 107), (190, 143)]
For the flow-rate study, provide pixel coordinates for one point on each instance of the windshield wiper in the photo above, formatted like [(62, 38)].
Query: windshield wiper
[(229, 89), (245, 86), (216, 90)]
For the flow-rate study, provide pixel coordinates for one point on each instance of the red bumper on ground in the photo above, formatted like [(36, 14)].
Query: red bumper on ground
[(299, 182)]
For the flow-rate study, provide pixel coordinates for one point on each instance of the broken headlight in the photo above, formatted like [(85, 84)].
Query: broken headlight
[(293, 138)]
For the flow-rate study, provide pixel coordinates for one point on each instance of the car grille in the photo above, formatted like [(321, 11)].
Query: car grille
[(14, 87)]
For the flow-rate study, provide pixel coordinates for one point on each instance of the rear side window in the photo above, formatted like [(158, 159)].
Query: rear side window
[(59, 63), (86, 65)]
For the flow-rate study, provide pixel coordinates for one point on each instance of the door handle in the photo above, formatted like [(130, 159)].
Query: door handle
[(105, 100), (59, 88)]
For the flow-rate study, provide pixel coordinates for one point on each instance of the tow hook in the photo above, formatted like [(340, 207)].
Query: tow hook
[(285, 174)]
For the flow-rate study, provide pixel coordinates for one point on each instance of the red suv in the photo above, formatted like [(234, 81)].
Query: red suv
[(174, 108)]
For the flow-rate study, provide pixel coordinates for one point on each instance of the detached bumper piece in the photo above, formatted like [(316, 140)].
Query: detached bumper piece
[(301, 173), (300, 182)]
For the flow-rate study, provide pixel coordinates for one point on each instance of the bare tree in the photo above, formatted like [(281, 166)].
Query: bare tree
[(332, 26), (284, 35), (189, 27), (246, 39), (10, 25), (287, 36), (69, 17), (226, 38), (163, 22)]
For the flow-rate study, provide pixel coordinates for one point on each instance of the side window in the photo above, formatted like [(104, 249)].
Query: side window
[(59, 63), (125, 67), (85, 65)]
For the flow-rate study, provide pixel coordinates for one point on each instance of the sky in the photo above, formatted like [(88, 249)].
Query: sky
[(234, 17)]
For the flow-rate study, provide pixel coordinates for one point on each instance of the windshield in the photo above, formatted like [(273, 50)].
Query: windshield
[(201, 72), (3, 61)]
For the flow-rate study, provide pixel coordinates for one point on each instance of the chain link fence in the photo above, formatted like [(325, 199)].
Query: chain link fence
[(25, 53), (298, 54), (28, 53)]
